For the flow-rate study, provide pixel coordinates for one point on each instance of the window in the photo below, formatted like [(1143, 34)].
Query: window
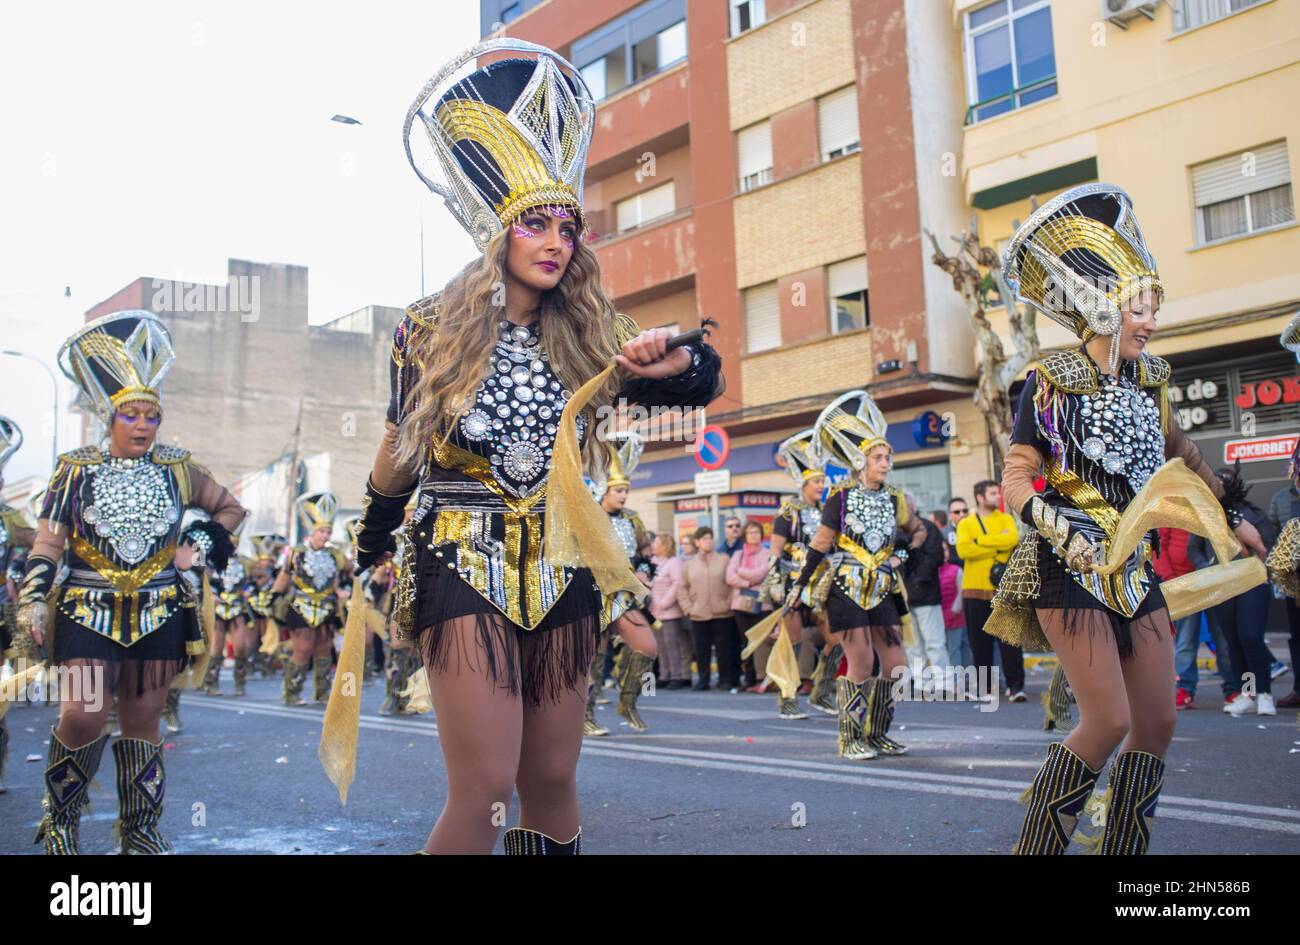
[(762, 318), (846, 284), (637, 44), (755, 151), (1192, 13), (837, 123), (1010, 59), (511, 13), (645, 206), (1243, 193), (746, 14)]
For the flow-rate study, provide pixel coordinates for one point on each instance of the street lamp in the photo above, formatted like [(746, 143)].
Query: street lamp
[(54, 456)]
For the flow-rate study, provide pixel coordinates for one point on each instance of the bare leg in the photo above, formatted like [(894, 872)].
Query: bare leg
[(548, 765), (1092, 666), (1147, 675), (82, 714), (636, 633), (891, 655), (139, 715), (480, 729), (857, 648)]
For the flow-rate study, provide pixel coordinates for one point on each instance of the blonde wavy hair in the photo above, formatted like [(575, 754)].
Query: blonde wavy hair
[(578, 321)]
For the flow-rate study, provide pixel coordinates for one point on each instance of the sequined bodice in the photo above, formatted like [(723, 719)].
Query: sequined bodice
[(318, 567), (806, 525), (232, 578), (869, 517), (516, 411), (130, 505), (1113, 439), (625, 530)]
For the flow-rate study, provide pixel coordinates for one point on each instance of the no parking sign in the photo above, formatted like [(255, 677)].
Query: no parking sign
[(712, 447)]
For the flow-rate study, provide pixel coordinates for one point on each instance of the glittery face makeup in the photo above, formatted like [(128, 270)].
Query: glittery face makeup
[(129, 417)]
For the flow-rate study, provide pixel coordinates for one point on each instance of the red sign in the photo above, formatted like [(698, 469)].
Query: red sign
[(712, 447), (1260, 449), (1268, 393)]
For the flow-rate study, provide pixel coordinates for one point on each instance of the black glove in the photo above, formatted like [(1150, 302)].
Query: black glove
[(213, 540), (810, 562), (381, 515)]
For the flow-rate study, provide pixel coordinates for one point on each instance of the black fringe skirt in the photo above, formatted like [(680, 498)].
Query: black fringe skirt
[(844, 614), (1079, 609), (148, 664), (540, 665)]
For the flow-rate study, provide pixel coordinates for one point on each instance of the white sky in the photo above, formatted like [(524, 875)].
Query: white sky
[(160, 138)]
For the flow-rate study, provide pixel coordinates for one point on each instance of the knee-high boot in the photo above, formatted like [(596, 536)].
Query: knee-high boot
[(1129, 804), (141, 784), (633, 666), (212, 680), (1057, 702), (880, 716), (851, 707), (320, 679), (1054, 801), (823, 691), (171, 713), (68, 773), (295, 675), (241, 674), (520, 841)]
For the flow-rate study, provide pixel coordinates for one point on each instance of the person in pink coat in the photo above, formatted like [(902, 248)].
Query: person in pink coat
[(673, 637), (747, 570)]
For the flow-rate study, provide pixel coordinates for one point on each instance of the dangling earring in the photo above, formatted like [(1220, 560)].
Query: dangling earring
[(1113, 361)]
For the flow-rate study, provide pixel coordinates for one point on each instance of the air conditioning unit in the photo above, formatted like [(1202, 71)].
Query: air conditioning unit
[(1120, 12)]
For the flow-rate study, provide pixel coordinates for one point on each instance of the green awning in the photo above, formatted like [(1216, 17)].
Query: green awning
[(1045, 182)]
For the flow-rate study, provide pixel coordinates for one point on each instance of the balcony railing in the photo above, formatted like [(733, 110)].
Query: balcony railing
[(1014, 96)]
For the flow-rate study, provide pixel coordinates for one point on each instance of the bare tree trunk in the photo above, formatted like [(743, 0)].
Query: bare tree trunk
[(997, 370)]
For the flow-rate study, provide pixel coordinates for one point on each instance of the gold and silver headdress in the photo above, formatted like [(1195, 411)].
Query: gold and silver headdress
[(316, 510), (798, 455), (116, 359), (268, 545), (1081, 256), (848, 429), (1291, 336), (624, 455), (11, 437), (503, 138)]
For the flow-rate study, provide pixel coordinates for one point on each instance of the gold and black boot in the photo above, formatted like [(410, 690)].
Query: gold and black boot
[(823, 689), (295, 675), (596, 675), (589, 724), (880, 715), (1129, 804), (68, 772), (1054, 801), (141, 784), (788, 709), (389, 705), (320, 679), (520, 841), (634, 665), (241, 674), (1057, 702), (212, 680), (171, 713), (851, 707)]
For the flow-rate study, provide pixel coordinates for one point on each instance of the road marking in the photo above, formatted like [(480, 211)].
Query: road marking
[(837, 772)]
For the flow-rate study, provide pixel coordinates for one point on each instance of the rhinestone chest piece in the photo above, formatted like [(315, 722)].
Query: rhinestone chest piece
[(626, 533), (869, 517), (809, 521), (131, 506), (516, 411), (318, 564), (1121, 431)]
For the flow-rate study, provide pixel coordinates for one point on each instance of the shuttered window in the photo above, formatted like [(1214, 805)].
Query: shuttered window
[(645, 206), (846, 284), (837, 122), (1243, 192), (762, 318), (1192, 13), (755, 152)]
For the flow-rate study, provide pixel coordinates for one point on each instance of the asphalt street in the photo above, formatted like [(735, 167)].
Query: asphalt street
[(716, 773)]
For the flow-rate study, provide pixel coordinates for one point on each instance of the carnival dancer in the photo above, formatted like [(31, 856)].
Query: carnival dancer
[(123, 617), (16, 534), (861, 520), (233, 620), (312, 579), (793, 528), (630, 662), (402, 659), (1095, 420), (508, 558), (267, 548)]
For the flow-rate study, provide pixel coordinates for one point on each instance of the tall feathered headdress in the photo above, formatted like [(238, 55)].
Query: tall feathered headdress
[(798, 455), (11, 438), (849, 428), (316, 510), (1081, 256), (117, 359), (503, 138)]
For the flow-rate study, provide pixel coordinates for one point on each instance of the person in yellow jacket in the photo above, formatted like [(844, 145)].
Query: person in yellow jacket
[(984, 543)]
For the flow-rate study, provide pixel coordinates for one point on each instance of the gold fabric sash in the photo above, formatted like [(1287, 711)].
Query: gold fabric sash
[(338, 738), (125, 580)]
